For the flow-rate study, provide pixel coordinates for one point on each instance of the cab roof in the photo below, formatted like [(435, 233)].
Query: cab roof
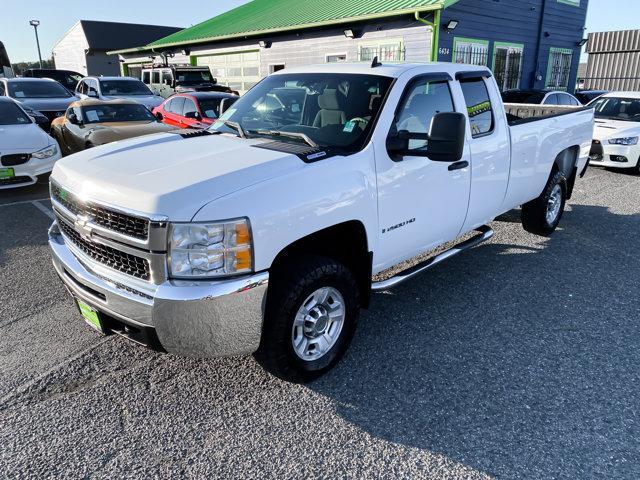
[(393, 70), (634, 95)]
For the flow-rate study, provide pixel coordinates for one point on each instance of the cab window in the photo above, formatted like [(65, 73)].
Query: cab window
[(146, 77), (479, 108), (422, 101), (155, 77)]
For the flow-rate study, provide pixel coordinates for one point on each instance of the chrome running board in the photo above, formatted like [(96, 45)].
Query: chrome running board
[(484, 233)]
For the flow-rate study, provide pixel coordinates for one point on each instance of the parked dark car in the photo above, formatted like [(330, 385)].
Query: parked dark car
[(41, 94), (68, 78), (540, 97), (41, 119), (587, 96)]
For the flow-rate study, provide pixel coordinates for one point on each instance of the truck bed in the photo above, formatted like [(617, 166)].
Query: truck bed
[(519, 113)]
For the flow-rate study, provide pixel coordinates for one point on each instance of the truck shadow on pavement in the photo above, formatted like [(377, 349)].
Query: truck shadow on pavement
[(518, 360)]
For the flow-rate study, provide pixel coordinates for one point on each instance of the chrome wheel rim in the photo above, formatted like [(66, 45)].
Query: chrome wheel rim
[(318, 324), (554, 204)]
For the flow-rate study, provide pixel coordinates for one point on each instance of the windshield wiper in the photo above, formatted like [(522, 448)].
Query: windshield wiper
[(236, 126), (294, 135)]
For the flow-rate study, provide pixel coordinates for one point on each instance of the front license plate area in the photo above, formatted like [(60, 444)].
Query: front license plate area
[(90, 315), (6, 173)]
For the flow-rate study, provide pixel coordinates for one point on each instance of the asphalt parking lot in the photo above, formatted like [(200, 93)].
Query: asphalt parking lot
[(518, 359)]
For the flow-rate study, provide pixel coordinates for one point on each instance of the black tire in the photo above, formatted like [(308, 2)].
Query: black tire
[(636, 169), (534, 213), (290, 285)]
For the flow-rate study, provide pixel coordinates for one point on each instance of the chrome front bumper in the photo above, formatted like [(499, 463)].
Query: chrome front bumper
[(201, 319)]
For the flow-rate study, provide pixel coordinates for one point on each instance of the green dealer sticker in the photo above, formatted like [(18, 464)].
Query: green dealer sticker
[(90, 315), (6, 173)]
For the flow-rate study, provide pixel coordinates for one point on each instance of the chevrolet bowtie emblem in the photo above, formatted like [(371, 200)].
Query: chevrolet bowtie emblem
[(82, 228)]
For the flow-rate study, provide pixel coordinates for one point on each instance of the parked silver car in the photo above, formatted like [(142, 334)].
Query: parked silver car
[(111, 88)]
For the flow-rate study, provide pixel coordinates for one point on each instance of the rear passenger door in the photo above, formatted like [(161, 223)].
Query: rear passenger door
[(490, 147)]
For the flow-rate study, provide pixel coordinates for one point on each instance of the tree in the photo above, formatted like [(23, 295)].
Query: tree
[(20, 67)]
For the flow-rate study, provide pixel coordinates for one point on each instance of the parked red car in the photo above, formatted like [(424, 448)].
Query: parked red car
[(193, 110)]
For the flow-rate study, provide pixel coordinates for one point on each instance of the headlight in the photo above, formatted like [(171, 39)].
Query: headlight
[(48, 152), (202, 250), (624, 141)]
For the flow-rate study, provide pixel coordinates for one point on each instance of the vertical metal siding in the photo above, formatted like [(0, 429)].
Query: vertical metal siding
[(614, 61)]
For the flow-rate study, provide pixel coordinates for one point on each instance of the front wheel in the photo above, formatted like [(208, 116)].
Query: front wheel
[(311, 314), (542, 215)]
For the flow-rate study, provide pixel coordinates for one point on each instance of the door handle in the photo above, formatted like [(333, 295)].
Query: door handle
[(458, 165)]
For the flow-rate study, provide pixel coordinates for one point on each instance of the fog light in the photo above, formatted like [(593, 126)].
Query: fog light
[(619, 158)]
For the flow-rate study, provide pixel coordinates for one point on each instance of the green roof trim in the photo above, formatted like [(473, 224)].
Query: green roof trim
[(261, 17)]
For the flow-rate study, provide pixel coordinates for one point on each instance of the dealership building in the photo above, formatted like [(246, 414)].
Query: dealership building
[(527, 43)]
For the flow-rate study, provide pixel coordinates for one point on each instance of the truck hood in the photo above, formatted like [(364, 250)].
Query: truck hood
[(608, 129), (26, 138), (166, 174)]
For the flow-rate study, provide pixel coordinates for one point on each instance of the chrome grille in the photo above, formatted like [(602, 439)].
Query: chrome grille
[(110, 219), (123, 262)]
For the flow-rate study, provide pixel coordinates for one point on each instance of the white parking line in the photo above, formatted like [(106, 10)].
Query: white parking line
[(47, 211), (24, 202)]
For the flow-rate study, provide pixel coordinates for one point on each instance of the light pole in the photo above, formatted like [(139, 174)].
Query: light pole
[(34, 24)]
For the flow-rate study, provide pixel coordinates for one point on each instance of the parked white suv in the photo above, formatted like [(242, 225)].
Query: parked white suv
[(112, 88), (617, 130), (262, 234)]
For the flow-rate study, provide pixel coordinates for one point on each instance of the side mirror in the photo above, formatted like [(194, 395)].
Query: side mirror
[(447, 137), (193, 115), (445, 140), (159, 116), (73, 119)]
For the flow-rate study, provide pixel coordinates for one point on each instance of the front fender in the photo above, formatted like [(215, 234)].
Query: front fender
[(292, 206)]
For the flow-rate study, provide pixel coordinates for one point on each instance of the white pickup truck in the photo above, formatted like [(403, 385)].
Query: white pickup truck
[(263, 234)]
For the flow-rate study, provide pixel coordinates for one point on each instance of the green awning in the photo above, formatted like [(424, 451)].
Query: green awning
[(261, 17)]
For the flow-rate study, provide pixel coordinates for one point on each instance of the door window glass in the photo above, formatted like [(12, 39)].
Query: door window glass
[(422, 101), (479, 106), (552, 100), (189, 107), (155, 77)]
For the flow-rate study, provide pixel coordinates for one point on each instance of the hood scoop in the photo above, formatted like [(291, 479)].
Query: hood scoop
[(194, 132)]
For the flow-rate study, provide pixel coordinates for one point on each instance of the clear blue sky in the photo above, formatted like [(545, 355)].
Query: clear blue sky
[(58, 16)]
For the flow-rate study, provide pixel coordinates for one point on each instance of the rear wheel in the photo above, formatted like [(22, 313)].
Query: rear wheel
[(542, 215), (311, 315)]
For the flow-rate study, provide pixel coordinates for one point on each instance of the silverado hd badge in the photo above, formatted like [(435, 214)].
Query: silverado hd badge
[(399, 225)]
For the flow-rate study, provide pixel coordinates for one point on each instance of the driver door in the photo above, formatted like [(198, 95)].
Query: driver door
[(421, 203)]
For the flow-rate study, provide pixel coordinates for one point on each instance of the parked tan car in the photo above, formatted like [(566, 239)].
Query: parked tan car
[(89, 123)]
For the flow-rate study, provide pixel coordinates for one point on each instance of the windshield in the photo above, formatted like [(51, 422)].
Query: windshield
[(516, 96), (116, 113), (186, 77), (11, 114), (333, 110), (37, 89), (124, 87), (615, 108)]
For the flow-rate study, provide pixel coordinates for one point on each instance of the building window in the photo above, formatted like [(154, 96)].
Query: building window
[(559, 69), (575, 3), (388, 50), (471, 51), (507, 65), (336, 58)]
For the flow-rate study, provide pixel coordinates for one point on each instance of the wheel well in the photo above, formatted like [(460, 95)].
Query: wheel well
[(345, 242), (567, 163)]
